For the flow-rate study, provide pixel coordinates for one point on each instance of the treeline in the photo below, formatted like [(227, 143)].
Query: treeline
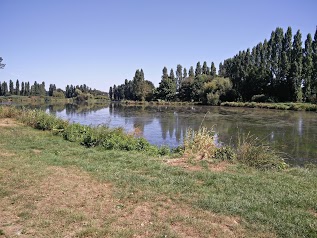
[(199, 85), (38, 89), (23, 89), (281, 69)]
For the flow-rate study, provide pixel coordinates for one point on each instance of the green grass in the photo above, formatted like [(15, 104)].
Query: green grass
[(279, 106), (268, 202)]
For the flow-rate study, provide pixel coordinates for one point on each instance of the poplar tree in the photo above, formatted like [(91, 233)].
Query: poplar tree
[(213, 70), (296, 67), (205, 69), (198, 69), (179, 75), (110, 93), (308, 68), (184, 73), (17, 87), (314, 76), (191, 72), (22, 89), (11, 87)]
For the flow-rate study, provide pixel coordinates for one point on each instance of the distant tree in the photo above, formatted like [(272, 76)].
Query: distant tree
[(296, 67), (191, 72), (51, 89), (179, 75), (22, 89), (11, 87), (308, 68), (205, 69), (4, 89), (165, 75), (27, 89), (198, 70), (17, 87), (184, 73), (172, 75), (213, 70), (314, 76), (1, 65)]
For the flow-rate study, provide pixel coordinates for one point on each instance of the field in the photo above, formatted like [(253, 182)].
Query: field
[(50, 187)]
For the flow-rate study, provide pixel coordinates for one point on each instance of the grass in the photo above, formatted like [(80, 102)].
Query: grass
[(50, 182), (279, 106)]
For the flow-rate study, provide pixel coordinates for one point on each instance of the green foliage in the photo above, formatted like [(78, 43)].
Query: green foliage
[(214, 90), (252, 152), (225, 153)]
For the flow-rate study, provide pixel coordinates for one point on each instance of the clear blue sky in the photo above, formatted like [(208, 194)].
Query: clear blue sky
[(102, 42)]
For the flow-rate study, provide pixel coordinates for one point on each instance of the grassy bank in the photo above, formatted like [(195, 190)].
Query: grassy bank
[(279, 106), (51, 187)]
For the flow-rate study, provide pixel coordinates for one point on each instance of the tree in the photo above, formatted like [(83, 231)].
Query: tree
[(308, 68), (165, 75), (184, 73), (205, 69), (314, 76), (22, 89), (17, 87), (179, 75), (213, 70), (198, 69), (110, 93), (191, 72), (4, 89), (51, 89), (1, 65), (11, 87), (296, 68), (172, 75)]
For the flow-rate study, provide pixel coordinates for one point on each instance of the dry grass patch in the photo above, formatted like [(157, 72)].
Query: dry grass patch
[(195, 166), (8, 122)]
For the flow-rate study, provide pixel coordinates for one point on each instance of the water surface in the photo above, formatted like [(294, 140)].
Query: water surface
[(293, 133)]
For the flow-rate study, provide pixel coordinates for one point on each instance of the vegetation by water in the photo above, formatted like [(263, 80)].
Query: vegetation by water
[(279, 106), (142, 195), (200, 144)]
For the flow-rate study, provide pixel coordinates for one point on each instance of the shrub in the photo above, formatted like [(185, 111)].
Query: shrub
[(225, 153)]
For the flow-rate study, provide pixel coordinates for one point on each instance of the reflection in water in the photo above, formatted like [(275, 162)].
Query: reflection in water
[(294, 133)]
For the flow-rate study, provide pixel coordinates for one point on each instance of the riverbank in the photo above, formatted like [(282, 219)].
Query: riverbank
[(279, 106), (49, 100), (49, 186)]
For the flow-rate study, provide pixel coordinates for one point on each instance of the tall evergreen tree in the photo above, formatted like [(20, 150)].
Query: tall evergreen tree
[(4, 89), (165, 74)]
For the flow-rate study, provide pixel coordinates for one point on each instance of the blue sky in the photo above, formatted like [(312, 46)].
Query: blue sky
[(101, 42)]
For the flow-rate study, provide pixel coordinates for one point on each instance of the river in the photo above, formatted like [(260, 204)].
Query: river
[(290, 132)]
